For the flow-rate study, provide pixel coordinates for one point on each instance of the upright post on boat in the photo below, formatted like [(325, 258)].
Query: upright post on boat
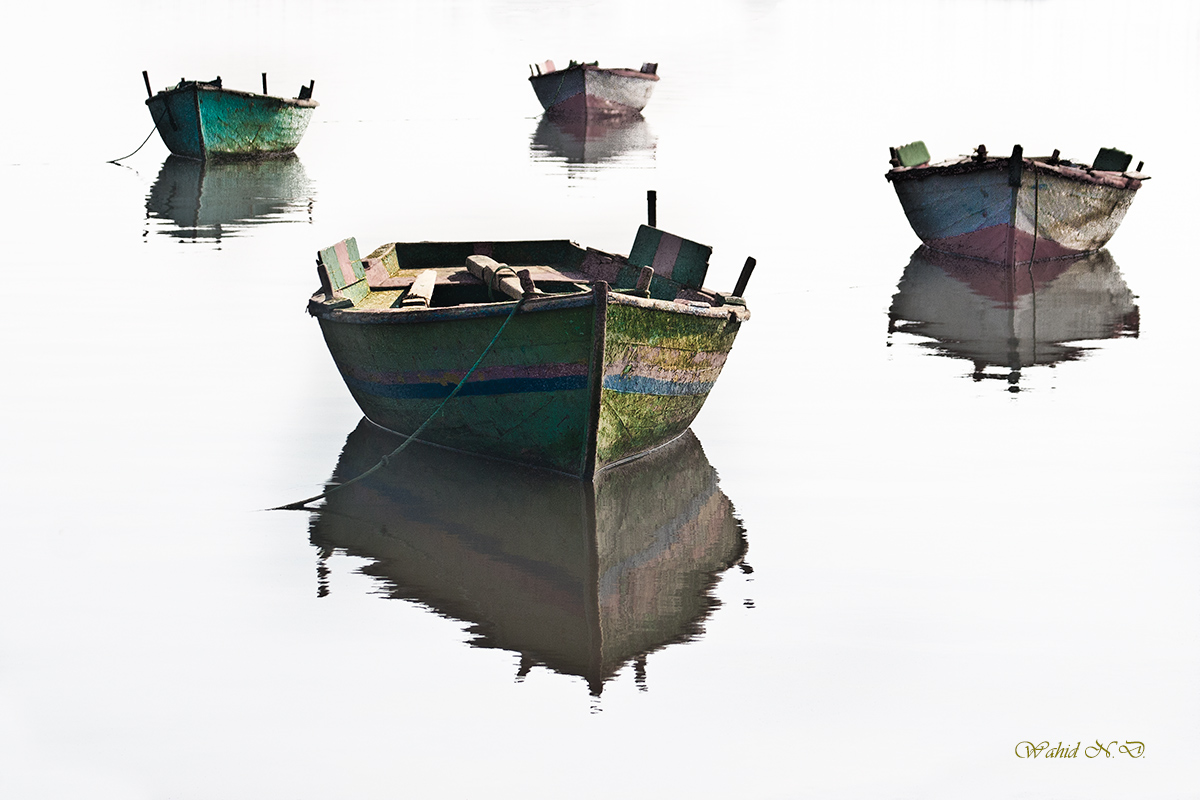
[(146, 78), (1015, 166), (264, 83), (652, 208), (739, 290)]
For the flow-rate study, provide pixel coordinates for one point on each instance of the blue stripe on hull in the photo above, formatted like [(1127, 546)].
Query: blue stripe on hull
[(435, 391), (634, 384)]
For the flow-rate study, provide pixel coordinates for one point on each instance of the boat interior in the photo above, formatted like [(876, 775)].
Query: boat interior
[(400, 275)]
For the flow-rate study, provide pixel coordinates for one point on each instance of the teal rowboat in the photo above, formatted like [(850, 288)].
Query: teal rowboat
[(202, 120), (583, 376)]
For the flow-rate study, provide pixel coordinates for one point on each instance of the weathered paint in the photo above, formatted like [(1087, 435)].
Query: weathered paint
[(200, 120), (580, 379), (582, 577), (968, 207), (585, 88), (659, 367)]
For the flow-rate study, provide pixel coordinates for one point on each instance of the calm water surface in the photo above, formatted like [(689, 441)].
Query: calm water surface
[(930, 511)]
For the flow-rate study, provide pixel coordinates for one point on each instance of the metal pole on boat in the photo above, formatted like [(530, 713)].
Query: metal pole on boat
[(146, 78), (264, 83), (739, 290), (652, 208)]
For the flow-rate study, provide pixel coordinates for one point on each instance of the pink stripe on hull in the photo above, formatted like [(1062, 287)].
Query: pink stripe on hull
[(666, 254), (582, 104), (993, 244), (343, 257)]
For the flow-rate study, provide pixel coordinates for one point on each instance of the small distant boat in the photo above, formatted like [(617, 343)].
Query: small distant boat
[(582, 376), (590, 89), (203, 120), (1012, 208)]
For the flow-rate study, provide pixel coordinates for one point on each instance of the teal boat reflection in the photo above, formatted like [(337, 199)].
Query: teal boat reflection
[(582, 578), (1005, 319), (206, 200)]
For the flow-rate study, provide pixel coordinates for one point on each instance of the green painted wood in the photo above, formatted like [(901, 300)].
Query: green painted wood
[(667, 345), (913, 154), (542, 428), (1111, 160), (677, 262), (343, 268)]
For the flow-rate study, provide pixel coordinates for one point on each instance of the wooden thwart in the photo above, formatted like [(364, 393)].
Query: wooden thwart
[(518, 285), (421, 291)]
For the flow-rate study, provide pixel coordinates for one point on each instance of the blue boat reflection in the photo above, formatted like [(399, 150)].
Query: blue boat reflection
[(1011, 318), (591, 139), (204, 201), (581, 578)]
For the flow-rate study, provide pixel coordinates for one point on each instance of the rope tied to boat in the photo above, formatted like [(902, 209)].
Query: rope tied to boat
[(140, 146), (301, 505)]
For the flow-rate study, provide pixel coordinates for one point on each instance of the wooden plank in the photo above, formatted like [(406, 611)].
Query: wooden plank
[(421, 291), (485, 268), (341, 271)]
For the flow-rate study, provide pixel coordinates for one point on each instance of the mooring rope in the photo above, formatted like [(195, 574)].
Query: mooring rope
[(140, 146), (300, 505)]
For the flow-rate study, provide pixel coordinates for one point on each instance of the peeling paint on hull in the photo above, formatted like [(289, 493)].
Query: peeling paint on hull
[(586, 89), (201, 121), (971, 209)]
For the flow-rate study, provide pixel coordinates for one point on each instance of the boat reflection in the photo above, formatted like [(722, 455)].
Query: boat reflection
[(590, 139), (203, 201), (577, 577), (1012, 317)]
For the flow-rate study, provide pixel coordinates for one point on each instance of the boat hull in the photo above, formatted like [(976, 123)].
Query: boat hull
[(574, 383), (201, 121), (974, 210), (592, 90)]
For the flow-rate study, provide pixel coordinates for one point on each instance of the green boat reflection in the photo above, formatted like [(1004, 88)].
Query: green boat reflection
[(582, 578), (1010, 318), (206, 200)]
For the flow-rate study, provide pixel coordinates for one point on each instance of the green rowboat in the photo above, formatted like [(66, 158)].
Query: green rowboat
[(584, 374)]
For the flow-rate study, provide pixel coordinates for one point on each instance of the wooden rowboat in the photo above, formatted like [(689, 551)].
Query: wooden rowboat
[(578, 577), (1014, 209), (584, 375), (590, 89), (203, 120)]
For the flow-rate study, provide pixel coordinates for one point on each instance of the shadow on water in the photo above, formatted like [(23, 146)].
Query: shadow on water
[(202, 201), (1011, 318), (580, 139), (577, 577)]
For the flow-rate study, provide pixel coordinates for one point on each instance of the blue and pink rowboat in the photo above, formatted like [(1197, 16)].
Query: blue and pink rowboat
[(588, 89), (1013, 209)]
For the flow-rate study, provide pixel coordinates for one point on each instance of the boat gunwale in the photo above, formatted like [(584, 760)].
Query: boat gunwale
[(197, 86), (625, 72), (336, 312), (1129, 180)]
